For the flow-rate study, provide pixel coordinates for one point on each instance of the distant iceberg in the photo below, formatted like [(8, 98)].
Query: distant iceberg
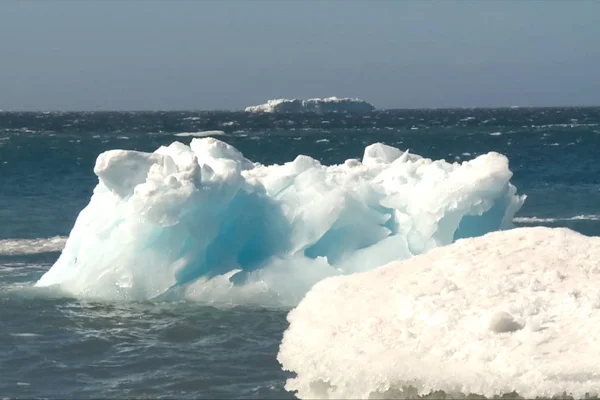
[(327, 105)]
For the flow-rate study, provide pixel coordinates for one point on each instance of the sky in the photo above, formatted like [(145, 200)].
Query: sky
[(228, 54)]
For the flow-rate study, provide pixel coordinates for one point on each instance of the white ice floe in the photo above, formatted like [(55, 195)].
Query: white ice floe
[(510, 311)]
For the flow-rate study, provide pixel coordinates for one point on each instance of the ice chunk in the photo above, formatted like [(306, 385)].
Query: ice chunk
[(329, 104), (121, 171), (380, 153), (177, 221), (510, 311), (502, 321)]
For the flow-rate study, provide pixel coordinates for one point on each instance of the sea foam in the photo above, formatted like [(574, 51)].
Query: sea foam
[(12, 247), (205, 223)]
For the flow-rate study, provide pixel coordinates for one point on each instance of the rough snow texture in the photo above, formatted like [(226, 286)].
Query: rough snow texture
[(510, 311), (326, 105), (205, 223)]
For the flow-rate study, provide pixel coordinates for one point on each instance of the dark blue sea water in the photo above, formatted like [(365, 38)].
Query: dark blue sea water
[(57, 347)]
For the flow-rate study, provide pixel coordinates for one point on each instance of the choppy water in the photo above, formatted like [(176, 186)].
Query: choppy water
[(67, 348)]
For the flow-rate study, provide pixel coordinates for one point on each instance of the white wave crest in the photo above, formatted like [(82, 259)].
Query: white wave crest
[(535, 220), (13, 247), (200, 134)]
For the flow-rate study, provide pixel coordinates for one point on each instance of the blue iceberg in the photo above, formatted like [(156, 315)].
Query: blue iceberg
[(202, 222)]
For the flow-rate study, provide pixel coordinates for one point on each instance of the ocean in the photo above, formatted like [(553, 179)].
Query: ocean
[(59, 346)]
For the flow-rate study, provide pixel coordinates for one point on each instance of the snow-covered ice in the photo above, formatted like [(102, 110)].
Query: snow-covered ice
[(329, 104), (203, 222), (514, 310)]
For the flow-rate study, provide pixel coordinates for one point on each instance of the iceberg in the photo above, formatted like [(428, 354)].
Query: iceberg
[(321, 106), (510, 311), (202, 222)]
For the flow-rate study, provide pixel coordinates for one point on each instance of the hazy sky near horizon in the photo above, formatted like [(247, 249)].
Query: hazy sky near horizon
[(141, 54)]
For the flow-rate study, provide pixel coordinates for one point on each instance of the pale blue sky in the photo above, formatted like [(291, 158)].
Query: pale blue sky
[(137, 54)]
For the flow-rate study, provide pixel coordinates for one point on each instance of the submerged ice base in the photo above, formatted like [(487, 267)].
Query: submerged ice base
[(205, 223), (509, 311)]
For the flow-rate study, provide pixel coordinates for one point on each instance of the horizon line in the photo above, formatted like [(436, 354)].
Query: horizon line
[(223, 110)]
